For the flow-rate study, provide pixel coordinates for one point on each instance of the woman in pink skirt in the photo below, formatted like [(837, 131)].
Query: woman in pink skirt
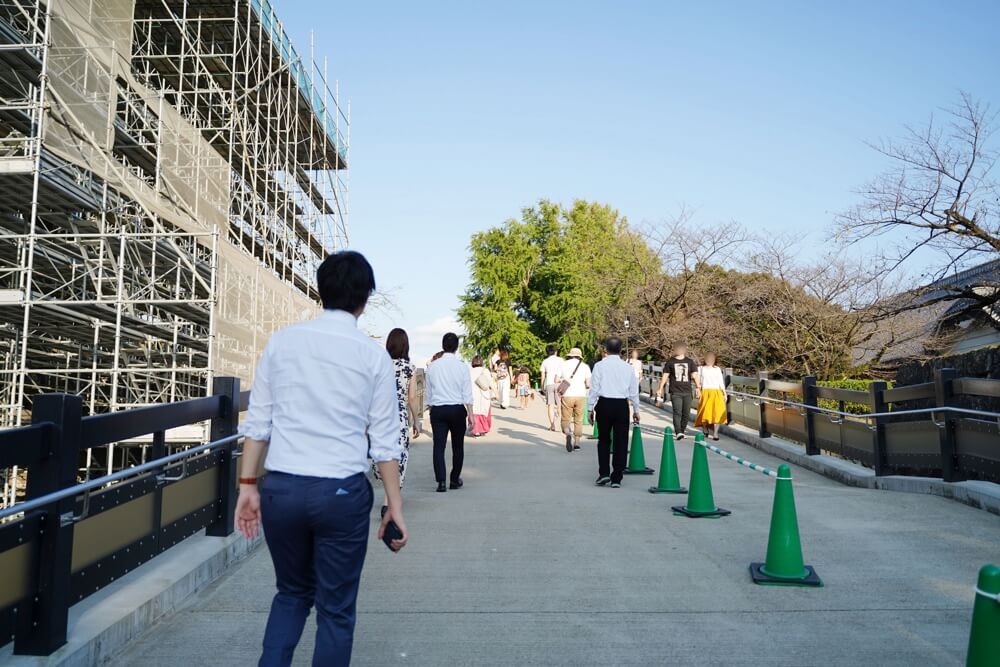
[(482, 398)]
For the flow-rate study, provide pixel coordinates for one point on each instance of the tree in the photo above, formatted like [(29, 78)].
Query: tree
[(939, 202), (554, 276)]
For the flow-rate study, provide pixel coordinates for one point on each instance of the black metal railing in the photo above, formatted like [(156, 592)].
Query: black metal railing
[(69, 539), (936, 437)]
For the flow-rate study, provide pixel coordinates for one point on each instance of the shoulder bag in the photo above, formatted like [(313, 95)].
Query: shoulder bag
[(564, 385)]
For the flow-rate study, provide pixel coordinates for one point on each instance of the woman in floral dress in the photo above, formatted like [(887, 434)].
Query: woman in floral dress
[(397, 344)]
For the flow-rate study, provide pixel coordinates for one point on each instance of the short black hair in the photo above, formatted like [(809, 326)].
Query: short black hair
[(550, 349), (477, 361), (345, 281), (449, 342), (613, 345)]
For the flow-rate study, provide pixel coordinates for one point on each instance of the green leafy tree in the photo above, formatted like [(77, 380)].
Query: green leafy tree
[(558, 275)]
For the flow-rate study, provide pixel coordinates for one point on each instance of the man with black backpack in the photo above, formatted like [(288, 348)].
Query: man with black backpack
[(572, 383)]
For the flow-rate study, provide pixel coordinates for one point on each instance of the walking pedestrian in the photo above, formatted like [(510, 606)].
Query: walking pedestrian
[(574, 381), (397, 344), (710, 386), (612, 387), (523, 386), (636, 364), (680, 371), (449, 395), (320, 386), (550, 369), (503, 372), (482, 398)]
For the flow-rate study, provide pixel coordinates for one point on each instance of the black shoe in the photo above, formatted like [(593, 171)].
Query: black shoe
[(603, 481), (576, 447), (715, 437), (680, 436), (385, 508), (441, 487), (569, 443), (616, 485), (456, 483)]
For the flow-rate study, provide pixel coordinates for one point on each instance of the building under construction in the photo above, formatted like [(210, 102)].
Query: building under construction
[(171, 174)]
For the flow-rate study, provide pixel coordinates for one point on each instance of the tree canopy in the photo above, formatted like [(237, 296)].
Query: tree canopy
[(556, 275)]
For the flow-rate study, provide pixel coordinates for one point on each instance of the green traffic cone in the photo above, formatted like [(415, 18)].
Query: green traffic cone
[(636, 457), (700, 502), (670, 481), (784, 564), (984, 638)]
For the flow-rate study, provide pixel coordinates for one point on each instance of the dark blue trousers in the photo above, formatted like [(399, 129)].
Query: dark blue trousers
[(317, 532)]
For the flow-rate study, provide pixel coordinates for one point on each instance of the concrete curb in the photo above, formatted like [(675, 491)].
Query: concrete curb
[(107, 621), (978, 494)]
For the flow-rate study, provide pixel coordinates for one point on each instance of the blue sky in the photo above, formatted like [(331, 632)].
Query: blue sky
[(464, 112)]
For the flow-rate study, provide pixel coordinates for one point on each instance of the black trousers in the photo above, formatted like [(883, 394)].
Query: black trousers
[(447, 419), (681, 404), (612, 426)]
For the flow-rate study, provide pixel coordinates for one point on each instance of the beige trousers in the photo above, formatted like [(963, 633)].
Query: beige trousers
[(572, 412)]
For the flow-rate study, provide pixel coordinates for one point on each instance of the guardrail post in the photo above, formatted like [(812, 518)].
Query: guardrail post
[(224, 425), (809, 398), (761, 391), (41, 628), (727, 382), (943, 397), (877, 390)]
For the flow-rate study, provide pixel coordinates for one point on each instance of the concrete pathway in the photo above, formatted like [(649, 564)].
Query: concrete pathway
[(530, 564)]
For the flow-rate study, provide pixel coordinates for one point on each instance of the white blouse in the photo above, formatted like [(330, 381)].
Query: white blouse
[(711, 377)]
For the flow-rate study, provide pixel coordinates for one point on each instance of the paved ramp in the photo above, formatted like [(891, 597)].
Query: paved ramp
[(530, 564)]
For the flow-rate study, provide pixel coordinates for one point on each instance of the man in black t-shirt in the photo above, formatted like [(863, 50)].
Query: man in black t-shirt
[(680, 372)]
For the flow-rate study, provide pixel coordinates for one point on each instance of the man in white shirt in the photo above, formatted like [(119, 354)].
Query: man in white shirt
[(612, 387), (449, 395), (550, 370), (577, 376), (324, 396)]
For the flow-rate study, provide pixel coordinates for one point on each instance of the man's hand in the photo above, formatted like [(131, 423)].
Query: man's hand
[(397, 516), (470, 422), (635, 417), (248, 511), (416, 430), (591, 416)]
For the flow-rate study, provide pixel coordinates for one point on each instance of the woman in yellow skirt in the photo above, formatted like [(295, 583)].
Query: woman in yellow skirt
[(710, 387)]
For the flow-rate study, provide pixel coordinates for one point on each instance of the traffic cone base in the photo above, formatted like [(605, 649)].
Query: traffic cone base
[(656, 489), (760, 576), (669, 480), (717, 513)]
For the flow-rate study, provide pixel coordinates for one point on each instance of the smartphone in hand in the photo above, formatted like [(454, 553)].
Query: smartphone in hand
[(392, 532)]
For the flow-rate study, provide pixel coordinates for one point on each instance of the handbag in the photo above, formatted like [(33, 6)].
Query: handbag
[(564, 385), (483, 382)]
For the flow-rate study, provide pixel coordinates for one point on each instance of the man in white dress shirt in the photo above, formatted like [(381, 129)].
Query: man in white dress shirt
[(322, 392), (613, 386), (549, 372), (449, 395)]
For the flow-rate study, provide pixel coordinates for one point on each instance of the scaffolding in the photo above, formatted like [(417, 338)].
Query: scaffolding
[(172, 173)]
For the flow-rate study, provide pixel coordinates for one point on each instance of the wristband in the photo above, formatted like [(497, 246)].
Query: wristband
[(248, 480)]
